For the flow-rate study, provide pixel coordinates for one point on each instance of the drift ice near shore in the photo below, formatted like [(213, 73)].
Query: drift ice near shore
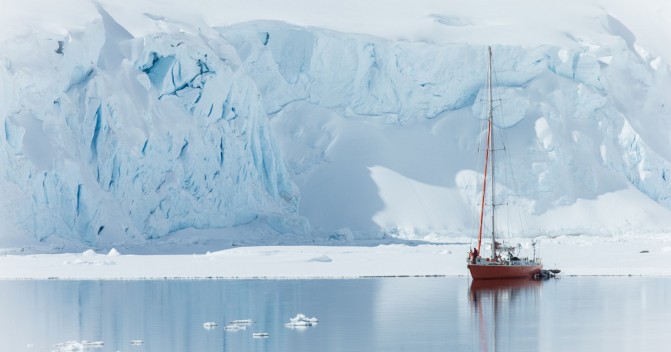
[(123, 123)]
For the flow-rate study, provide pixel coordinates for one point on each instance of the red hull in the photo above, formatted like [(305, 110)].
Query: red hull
[(490, 271)]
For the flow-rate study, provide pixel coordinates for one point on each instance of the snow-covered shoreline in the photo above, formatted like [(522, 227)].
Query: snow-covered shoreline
[(574, 255)]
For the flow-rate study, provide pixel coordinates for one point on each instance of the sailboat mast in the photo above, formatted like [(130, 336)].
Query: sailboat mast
[(490, 119), (488, 148), (484, 189)]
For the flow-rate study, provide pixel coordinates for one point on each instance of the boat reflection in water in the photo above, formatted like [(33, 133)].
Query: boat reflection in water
[(507, 313)]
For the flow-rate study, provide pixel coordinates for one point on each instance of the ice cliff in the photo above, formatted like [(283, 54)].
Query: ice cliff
[(107, 137), (590, 124)]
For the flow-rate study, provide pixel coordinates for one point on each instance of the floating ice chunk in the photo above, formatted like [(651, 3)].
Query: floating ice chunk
[(260, 335), (113, 253), (235, 327), (301, 321), (209, 325), (136, 342), (242, 322), (68, 346), (239, 324), (93, 344), (299, 326), (322, 259), (77, 346)]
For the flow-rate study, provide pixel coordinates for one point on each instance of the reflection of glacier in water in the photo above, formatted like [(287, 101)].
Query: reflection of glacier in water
[(399, 314)]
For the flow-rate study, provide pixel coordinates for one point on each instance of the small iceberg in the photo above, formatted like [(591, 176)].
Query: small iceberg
[(78, 346), (260, 335), (239, 324), (209, 325), (94, 344), (235, 327), (301, 321)]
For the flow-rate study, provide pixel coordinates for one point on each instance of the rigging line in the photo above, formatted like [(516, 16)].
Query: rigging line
[(510, 175), (501, 130), (505, 166), (480, 140)]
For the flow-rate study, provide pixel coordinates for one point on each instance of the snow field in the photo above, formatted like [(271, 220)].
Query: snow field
[(574, 255)]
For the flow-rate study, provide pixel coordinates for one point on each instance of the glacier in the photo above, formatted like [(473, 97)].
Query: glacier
[(112, 137), (404, 101)]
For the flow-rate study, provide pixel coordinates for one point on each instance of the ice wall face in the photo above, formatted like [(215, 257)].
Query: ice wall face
[(108, 138), (585, 121)]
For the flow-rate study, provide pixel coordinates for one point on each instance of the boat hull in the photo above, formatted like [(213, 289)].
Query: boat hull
[(503, 271)]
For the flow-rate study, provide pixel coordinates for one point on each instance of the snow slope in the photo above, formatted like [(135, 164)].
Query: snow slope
[(124, 122)]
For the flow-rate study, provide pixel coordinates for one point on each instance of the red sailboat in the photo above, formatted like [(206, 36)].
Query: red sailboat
[(503, 263)]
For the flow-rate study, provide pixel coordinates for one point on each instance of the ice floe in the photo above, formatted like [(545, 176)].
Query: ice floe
[(239, 324), (77, 345), (301, 321), (209, 325), (235, 327)]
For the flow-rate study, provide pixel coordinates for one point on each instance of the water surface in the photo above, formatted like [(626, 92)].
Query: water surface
[(387, 314)]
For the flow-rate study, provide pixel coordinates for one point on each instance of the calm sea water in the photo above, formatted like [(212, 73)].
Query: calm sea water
[(388, 314)]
